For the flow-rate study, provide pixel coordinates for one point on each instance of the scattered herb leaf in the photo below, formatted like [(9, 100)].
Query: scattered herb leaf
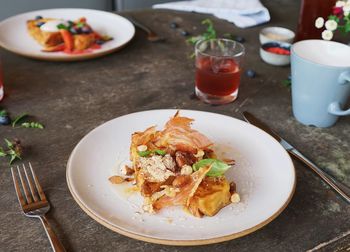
[(8, 143), (3, 112), (218, 168), (14, 150), (2, 152), (33, 125), (18, 119), (287, 82)]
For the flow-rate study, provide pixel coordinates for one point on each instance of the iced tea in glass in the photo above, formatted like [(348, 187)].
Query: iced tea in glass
[(218, 70)]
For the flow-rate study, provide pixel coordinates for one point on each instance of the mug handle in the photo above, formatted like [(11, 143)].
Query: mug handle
[(335, 108)]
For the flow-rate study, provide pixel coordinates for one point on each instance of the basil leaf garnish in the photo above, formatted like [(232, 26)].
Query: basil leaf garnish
[(218, 168)]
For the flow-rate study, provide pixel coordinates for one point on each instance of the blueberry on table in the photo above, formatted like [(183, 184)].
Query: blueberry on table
[(185, 33), (38, 17), (250, 73), (5, 120), (173, 25)]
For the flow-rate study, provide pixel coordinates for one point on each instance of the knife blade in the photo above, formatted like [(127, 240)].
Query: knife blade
[(340, 188)]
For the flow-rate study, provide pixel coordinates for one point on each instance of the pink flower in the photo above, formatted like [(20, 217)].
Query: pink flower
[(338, 11)]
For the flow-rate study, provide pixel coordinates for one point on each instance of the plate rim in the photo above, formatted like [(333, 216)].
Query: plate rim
[(67, 58), (179, 242)]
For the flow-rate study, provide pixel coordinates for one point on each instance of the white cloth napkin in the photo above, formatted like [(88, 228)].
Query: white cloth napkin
[(243, 13)]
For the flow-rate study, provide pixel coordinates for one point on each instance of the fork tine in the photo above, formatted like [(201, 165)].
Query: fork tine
[(38, 187), (24, 186), (31, 185), (18, 190)]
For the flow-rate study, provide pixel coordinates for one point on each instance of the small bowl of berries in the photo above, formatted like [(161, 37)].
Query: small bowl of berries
[(276, 53)]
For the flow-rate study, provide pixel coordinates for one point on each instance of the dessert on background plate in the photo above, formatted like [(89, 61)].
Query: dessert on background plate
[(72, 37), (35, 34), (177, 166)]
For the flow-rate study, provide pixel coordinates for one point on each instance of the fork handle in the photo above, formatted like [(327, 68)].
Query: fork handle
[(54, 241)]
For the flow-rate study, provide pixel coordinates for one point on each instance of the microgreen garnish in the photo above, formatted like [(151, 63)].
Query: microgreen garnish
[(149, 152), (160, 152), (144, 153), (218, 168), (13, 151), (210, 33), (18, 119), (80, 25)]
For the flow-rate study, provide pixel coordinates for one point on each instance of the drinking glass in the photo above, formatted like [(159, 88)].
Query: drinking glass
[(218, 70)]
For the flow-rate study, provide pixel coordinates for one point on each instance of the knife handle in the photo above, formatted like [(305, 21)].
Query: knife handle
[(342, 189)]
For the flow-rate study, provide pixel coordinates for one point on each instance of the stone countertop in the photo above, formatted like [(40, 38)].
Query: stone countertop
[(73, 98)]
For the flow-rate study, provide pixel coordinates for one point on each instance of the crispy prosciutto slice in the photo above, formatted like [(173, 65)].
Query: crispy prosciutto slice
[(188, 189), (178, 135)]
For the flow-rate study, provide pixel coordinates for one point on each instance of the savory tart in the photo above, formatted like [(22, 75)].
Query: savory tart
[(67, 36), (178, 167)]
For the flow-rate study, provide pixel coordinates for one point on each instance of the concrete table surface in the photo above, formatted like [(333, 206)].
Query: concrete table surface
[(73, 98)]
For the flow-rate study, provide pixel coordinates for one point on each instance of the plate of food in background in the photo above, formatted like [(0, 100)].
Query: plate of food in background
[(180, 177), (65, 34)]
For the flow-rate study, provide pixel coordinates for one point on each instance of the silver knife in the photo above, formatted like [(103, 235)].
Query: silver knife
[(342, 189)]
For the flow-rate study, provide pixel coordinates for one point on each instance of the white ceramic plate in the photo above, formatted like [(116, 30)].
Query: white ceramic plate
[(15, 38), (264, 174)]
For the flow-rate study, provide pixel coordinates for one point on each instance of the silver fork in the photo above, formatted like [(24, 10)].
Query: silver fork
[(34, 203)]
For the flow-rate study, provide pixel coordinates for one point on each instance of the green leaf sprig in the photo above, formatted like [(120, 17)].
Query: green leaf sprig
[(19, 122), (218, 168), (13, 151), (210, 33), (18, 119)]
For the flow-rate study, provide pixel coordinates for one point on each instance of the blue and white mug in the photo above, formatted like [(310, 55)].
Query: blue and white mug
[(320, 81)]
